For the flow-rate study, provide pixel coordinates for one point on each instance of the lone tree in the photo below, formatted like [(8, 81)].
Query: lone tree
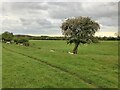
[(7, 36), (79, 30)]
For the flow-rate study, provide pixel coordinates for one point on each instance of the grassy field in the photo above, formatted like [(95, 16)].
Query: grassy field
[(0, 65), (95, 65)]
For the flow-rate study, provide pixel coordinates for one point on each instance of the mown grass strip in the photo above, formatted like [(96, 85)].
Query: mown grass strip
[(22, 72), (99, 70), (89, 82)]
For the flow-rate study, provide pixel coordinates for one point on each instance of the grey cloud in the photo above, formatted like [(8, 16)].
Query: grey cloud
[(61, 10), (105, 13), (44, 23), (46, 17), (112, 21), (23, 8), (26, 5), (25, 22), (96, 10)]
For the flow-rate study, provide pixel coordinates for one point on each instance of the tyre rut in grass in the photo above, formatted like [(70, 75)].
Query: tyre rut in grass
[(89, 82)]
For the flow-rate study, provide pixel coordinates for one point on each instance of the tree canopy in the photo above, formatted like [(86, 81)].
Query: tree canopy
[(7, 36), (79, 30)]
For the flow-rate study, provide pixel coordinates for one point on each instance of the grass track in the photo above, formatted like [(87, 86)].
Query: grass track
[(95, 63), (35, 72), (56, 67)]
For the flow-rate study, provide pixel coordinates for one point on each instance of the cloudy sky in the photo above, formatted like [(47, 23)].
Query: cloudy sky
[(45, 18)]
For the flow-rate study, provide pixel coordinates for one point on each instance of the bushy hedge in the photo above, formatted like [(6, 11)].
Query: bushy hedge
[(21, 40)]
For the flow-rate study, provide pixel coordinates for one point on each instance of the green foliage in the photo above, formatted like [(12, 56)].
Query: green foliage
[(23, 40), (26, 44), (46, 38), (79, 29), (7, 36), (15, 39), (109, 38)]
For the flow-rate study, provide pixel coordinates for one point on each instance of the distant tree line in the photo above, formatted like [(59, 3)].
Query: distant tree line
[(24, 39), (64, 38), (108, 38), (46, 38), (95, 39)]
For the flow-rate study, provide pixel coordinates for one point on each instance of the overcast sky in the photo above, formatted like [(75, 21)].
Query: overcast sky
[(45, 18)]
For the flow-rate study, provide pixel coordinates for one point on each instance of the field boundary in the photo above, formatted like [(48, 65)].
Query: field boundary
[(57, 67)]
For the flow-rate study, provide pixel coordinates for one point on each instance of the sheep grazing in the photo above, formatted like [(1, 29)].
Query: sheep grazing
[(52, 50), (85, 44), (7, 42), (70, 53), (21, 44)]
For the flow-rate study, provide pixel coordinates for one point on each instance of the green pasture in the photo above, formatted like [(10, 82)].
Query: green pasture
[(47, 64)]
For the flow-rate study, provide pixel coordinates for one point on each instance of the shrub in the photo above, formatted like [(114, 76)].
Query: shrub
[(21, 40)]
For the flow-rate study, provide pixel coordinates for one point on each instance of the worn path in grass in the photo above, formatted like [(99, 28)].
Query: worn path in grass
[(95, 63), (30, 72), (57, 67)]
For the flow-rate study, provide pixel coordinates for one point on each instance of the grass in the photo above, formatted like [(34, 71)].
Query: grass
[(96, 65), (0, 65)]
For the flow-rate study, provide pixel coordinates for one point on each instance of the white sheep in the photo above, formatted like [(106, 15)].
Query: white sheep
[(70, 52), (52, 50), (7, 42)]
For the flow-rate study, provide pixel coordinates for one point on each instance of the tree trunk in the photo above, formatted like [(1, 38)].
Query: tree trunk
[(76, 48)]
